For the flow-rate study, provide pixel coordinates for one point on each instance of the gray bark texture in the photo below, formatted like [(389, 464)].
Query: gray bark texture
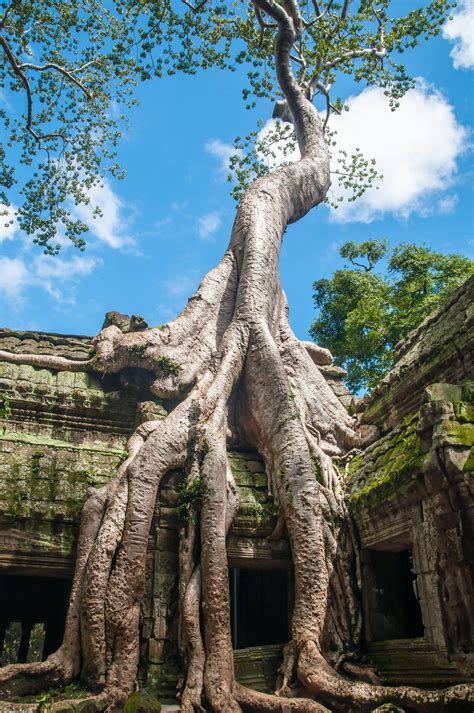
[(234, 331)]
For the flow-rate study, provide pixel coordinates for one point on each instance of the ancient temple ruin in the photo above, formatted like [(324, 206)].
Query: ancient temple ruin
[(410, 494)]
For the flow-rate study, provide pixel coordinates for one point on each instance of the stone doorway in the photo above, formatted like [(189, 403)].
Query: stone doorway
[(391, 603), (32, 616), (260, 601)]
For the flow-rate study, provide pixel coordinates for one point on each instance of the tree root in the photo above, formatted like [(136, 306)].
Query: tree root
[(231, 361), (323, 682), (257, 702)]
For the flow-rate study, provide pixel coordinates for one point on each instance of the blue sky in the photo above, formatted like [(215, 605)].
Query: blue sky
[(169, 221)]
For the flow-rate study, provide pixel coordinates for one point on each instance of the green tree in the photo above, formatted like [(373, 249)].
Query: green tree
[(229, 365), (364, 310)]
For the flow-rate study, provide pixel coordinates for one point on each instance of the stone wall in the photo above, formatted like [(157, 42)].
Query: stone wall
[(61, 433), (411, 492)]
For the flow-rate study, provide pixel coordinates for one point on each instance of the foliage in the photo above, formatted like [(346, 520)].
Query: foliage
[(71, 690), (11, 643), (364, 312), (190, 497), (35, 465), (167, 365), (123, 456), (70, 70), (5, 411)]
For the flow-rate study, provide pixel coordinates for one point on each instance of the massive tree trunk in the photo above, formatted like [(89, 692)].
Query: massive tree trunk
[(233, 364)]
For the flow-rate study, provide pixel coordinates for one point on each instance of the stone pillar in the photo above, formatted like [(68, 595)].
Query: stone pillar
[(26, 627)]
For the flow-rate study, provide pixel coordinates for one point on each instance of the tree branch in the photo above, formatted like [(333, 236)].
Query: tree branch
[(345, 9), (5, 16), (263, 25), (24, 80), (305, 117), (62, 70), (356, 54), (194, 8), (293, 9)]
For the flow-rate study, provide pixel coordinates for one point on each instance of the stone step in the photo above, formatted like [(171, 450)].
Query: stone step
[(412, 661)]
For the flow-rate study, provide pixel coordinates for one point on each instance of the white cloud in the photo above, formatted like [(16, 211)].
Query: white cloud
[(14, 276), (50, 273), (447, 204), (416, 149), (111, 227), (181, 285), (281, 151), (57, 276), (460, 31), (4, 100), (8, 223), (223, 152), (207, 225)]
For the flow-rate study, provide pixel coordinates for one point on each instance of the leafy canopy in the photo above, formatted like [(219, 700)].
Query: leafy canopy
[(70, 69), (364, 310)]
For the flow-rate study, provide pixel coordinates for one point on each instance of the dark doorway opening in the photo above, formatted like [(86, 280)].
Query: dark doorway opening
[(259, 606), (391, 606), (32, 617)]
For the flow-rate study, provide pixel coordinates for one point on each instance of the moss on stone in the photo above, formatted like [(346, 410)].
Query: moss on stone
[(454, 434), (167, 365), (464, 411), (142, 702), (387, 466), (469, 465), (33, 439)]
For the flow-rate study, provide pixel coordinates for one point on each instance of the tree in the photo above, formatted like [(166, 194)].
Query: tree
[(363, 314), (230, 364)]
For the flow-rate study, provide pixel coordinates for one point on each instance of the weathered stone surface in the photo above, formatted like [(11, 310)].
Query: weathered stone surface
[(319, 355), (410, 490), (66, 432), (142, 702)]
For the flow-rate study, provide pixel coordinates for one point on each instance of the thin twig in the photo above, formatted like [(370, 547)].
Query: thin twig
[(24, 80), (5, 16)]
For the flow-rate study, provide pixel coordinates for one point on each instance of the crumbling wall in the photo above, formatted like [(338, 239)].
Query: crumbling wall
[(412, 491)]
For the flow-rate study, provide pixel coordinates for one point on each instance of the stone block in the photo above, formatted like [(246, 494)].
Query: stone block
[(156, 648), (453, 433), (142, 702), (443, 392), (455, 458)]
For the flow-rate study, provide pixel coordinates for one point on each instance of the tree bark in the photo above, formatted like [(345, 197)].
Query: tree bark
[(231, 345)]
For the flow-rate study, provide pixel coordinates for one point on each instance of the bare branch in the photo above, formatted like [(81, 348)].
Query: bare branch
[(62, 70), (5, 16), (276, 11), (194, 8), (17, 70), (263, 25), (293, 9), (356, 54), (297, 59), (84, 66), (345, 9), (381, 31)]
